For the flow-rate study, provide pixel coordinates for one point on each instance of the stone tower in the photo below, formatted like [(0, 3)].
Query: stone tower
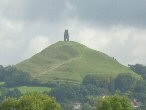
[(66, 35)]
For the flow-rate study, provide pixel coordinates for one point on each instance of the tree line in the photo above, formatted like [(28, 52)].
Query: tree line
[(88, 92)]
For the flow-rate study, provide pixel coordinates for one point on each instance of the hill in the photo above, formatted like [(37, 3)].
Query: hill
[(70, 61)]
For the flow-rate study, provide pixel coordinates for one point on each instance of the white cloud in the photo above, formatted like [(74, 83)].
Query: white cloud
[(36, 44), (26, 27), (122, 42), (125, 43)]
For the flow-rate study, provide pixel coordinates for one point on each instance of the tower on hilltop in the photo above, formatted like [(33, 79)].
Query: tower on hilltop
[(66, 35)]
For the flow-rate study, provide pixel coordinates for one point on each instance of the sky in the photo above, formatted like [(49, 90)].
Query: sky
[(115, 27)]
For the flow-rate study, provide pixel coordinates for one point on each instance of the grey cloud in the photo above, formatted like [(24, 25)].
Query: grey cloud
[(112, 12), (22, 21), (104, 12), (126, 44), (35, 10)]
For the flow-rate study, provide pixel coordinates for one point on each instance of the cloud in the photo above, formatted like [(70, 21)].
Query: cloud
[(111, 12), (128, 45), (36, 44), (36, 10), (115, 27), (124, 43)]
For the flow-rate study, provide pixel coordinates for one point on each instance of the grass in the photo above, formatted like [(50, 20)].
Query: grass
[(27, 89), (2, 83), (71, 61)]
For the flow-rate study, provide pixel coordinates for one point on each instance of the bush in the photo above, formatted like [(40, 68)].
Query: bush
[(115, 102), (125, 82), (31, 101)]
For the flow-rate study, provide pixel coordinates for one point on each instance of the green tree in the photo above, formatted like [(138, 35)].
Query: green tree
[(101, 81), (140, 91), (140, 69), (115, 102), (9, 104), (14, 77), (125, 82), (31, 101), (97, 80)]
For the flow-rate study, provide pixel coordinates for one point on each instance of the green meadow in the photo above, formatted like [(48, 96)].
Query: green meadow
[(71, 61), (27, 89)]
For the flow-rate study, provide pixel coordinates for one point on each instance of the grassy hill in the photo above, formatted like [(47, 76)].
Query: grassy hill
[(70, 61)]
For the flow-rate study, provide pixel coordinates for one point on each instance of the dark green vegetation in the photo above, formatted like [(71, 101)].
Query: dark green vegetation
[(14, 83), (115, 102), (70, 61), (69, 94), (11, 77), (27, 89), (32, 101), (140, 69), (95, 86)]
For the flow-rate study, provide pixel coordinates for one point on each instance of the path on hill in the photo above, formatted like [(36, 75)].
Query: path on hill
[(57, 66)]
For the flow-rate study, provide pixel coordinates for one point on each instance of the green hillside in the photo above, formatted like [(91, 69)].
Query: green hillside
[(70, 61)]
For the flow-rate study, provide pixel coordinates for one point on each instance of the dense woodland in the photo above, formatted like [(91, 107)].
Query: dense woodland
[(87, 93)]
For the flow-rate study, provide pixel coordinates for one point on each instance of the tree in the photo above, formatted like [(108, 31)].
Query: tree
[(115, 102), (140, 69), (31, 101), (2, 70), (14, 77), (9, 93), (66, 92), (98, 80), (9, 104), (140, 91), (125, 82)]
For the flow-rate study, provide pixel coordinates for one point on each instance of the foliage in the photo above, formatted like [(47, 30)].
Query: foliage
[(100, 81), (9, 104), (79, 93), (31, 101), (140, 91), (13, 93), (67, 92), (13, 77), (86, 106), (67, 105), (115, 102), (125, 82), (9, 93), (140, 69), (28, 89)]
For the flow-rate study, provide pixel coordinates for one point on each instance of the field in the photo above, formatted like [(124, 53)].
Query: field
[(27, 89), (2, 83), (71, 61)]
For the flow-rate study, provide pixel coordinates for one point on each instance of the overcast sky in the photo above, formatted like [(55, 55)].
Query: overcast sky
[(115, 27)]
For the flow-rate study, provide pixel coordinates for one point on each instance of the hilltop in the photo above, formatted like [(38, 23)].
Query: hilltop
[(70, 61)]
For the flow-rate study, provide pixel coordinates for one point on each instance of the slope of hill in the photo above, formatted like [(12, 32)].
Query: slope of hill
[(70, 61)]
